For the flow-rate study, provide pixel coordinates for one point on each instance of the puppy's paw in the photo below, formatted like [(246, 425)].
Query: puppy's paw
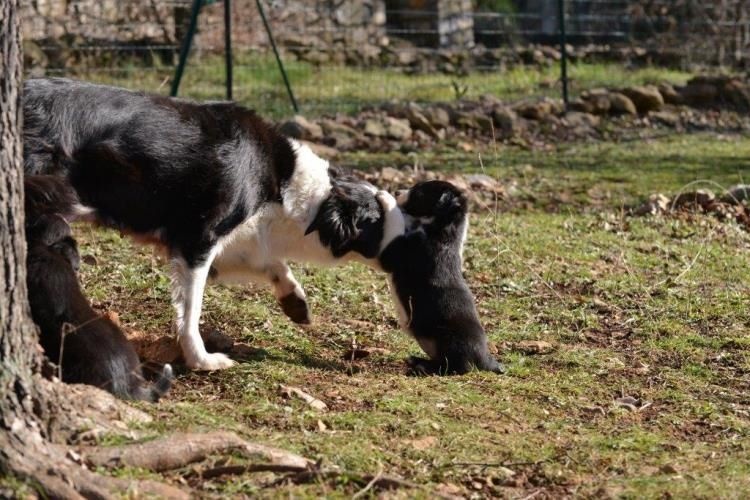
[(420, 367), (296, 309), (211, 361), (386, 200)]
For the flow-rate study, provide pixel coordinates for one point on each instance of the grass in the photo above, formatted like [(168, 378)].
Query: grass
[(653, 308), (339, 88)]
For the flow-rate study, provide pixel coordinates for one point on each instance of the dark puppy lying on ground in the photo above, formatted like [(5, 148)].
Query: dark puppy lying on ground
[(90, 348), (437, 307)]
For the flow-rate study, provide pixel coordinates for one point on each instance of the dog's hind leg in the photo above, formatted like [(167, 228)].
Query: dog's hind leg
[(188, 284)]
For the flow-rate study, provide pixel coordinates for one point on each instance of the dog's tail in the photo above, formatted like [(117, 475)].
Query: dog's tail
[(158, 389)]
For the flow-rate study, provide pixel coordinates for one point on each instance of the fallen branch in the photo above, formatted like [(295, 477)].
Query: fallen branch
[(178, 450)]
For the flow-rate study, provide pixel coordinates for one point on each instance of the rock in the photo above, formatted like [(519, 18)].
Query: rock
[(438, 117), (656, 204), (304, 129), (700, 197), (580, 105), (699, 93), (669, 118), (321, 150), (576, 119), (535, 111), (646, 98), (390, 174), (669, 94), (737, 194), (598, 100), (375, 127), (397, 128), (467, 121), (737, 94), (621, 104), (338, 135), (482, 182), (418, 121), (506, 122)]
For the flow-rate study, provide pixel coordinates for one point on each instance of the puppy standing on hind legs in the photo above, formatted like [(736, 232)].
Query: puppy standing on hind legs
[(434, 302)]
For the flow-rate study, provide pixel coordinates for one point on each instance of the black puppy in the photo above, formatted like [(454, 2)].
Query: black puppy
[(424, 263), (90, 348)]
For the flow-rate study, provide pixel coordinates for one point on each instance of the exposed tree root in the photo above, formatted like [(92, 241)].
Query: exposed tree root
[(179, 450), (41, 456)]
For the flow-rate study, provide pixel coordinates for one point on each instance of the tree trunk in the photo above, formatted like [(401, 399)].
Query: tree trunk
[(19, 354)]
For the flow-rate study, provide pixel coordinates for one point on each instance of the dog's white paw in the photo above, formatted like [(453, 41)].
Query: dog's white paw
[(211, 361)]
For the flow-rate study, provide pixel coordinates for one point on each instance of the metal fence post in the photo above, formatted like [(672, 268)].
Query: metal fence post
[(563, 51), (278, 57), (185, 49), (228, 45)]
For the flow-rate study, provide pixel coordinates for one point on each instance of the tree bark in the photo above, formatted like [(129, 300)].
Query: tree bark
[(19, 354)]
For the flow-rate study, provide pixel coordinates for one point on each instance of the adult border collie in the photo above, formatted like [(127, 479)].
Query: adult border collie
[(220, 189)]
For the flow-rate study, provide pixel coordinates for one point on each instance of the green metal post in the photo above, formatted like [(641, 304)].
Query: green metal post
[(563, 51), (185, 49), (228, 45), (278, 57)]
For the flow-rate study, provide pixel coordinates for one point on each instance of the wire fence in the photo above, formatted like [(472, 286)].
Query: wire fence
[(342, 55)]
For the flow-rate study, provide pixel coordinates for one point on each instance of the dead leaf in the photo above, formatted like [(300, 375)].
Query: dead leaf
[(535, 347), (424, 443), (315, 403)]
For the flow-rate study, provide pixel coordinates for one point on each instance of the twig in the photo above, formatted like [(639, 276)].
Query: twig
[(242, 469), (369, 485), (529, 497)]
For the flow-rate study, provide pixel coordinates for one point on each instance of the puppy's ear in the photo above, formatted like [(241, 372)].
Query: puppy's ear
[(450, 205)]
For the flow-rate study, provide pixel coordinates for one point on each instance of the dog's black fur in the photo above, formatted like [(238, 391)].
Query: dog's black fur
[(425, 266), (153, 165), (90, 348), (190, 177)]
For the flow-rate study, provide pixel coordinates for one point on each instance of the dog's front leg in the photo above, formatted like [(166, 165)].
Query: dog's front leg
[(188, 284), (288, 293)]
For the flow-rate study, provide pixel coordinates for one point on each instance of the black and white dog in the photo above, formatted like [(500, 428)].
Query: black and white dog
[(224, 193), (89, 348), (433, 300)]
